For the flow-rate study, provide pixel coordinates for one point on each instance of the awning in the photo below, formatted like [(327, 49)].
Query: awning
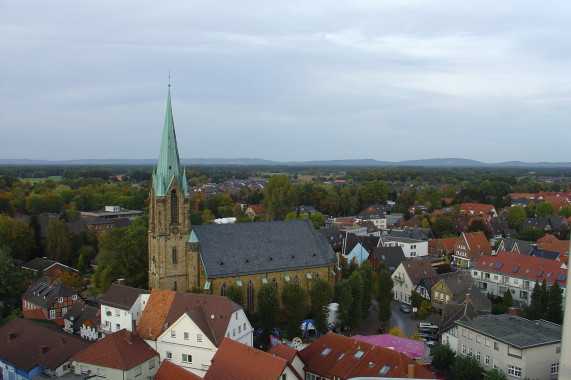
[(287, 278), (239, 282), (308, 276), (207, 285), (264, 280)]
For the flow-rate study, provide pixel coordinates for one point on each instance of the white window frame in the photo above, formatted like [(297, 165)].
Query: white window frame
[(555, 368), (187, 358), (514, 371), (487, 359)]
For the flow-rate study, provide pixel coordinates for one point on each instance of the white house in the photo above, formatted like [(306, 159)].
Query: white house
[(121, 308), (411, 247), (407, 277)]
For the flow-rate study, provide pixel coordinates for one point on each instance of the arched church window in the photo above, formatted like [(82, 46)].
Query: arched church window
[(223, 290), (250, 297), (174, 258), (275, 284), (174, 207), (296, 279)]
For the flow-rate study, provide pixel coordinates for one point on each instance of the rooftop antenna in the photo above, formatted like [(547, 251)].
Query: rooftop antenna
[(169, 78)]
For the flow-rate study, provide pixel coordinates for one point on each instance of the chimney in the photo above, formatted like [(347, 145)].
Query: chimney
[(120, 281), (411, 371), (512, 311), (128, 336), (42, 350), (10, 337)]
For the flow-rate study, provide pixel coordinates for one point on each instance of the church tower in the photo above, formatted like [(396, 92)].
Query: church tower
[(169, 221)]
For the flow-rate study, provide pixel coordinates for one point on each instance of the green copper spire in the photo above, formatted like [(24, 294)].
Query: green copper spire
[(168, 167)]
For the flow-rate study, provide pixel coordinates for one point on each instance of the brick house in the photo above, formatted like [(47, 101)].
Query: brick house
[(469, 247), (49, 298)]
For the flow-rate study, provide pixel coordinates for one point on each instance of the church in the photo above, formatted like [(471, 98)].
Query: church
[(208, 258)]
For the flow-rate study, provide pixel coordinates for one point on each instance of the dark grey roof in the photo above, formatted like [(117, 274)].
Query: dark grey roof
[(479, 299), (556, 220), (121, 296), (77, 315), (46, 291), (544, 253), (247, 248), (368, 215), (516, 331), (351, 240), (498, 226), (523, 246), (391, 256), (38, 263), (540, 222), (458, 284), (332, 234), (413, 233)]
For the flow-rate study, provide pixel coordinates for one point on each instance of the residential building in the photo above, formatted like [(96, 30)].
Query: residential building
[(291, 355), (83, 320), (510, 271), (112, 212), (357, 248), (414, 349), (48, 267), (469, 247), (100, 225), (334, 237), (339, 357), (121, 308), (478, 209), (514, 245), (414, 233), (120, 355), (378, 218), (451, 287), (170, 371), (391, 256), (411, 247), (49, 298), (187, 328), (253, 211), (237, 361), (519, 347), (408, 275), (29, 350), (441, 247)]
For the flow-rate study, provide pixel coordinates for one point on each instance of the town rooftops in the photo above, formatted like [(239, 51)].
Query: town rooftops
[(121, 350), (250, 248), (170, 371), (236, 361), (121, 296), (476, 241), (523, 266), (283, 351), (165, 307), (46, 291), (49, 267), (515, 331), (417, 269), (476, 208), (25, 345)]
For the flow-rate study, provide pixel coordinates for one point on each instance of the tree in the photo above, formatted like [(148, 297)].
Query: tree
[(530, 233), (366, 272), (195, 218), (538, 304), (344, 298), (443, 226), (373, 192), (11, 284), (466, 368), (495, 374), (443, 357), (291, 216), (416, 299), (317, 220), (73, 280), (565, 211), (425, 223), (544, 208), (355, 318), (425, 309), (268, 311), (18, 236), (278, 197), (321, 295), (396, 331), (384, 295), (480, 225), (235, 293), (293, 298), (58, 243), (516, 215), (554, 300)]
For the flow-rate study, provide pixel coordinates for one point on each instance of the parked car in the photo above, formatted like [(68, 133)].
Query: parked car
[(427, 325), (404, 308)]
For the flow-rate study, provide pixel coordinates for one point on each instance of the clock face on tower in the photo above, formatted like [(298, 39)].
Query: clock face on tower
[(174, 230)]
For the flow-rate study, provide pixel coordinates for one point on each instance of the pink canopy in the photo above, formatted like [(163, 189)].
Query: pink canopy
[(410, 347)]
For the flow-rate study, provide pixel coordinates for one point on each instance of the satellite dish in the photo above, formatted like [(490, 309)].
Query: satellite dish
[(74, 363), (212, 316)]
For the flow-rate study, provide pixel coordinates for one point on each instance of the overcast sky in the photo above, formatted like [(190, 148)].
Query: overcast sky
[(287, 80)]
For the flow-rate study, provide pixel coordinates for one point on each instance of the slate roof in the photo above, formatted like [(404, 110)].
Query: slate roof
[(413, 233), (170, 371), (121, 350), (77, 315), (166, 306), (332, 234), (458, 284), (121, 296), (417, 269), (498, 226), (391, 256), (236, 361), (46, 291), (544, 253), (23, 349), (540, 222), (342, 357), (49, 267), (250, 248), (523, 247), (369, 215), (515, 331)]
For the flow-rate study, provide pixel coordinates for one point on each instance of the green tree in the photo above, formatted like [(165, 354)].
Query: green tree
[(396, 331), (291, 216), (58, 242), (317, 220), (425, 309), (195, 218), (466, 368), (278, 197), (565, 211), (530, 233), (425, 223), (538, 304), (18, 236), (443, 357), (366, 272), (507, 300), (544, 208), (385, 285), (11, 284), (554, 301), (344, 298), (480, 225), (416, 299), (355, 318), (495, 374), (516, 215), (443, 226), (235, 293), (373, 192), (293, 298), (268, 311), (321, 295)]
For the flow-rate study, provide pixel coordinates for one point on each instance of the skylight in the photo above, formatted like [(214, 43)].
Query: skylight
[(491, 265), (326, 351), (561, 277), (516, 268), (498, 266), (549, 274), (539, 273), (358, 354), (384, 370), (341, 356), (527, 271), (484, 263)]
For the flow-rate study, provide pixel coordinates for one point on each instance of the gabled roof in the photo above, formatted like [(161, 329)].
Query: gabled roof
[(351, 241), (477, 241), (236, 361), (551, 243), (332, 234), (49, 267), (25, 345), (79, 314), (414, 233), (121, 350), (121, 296), (339, 356), (476, 208), (391, 256), (250, 248), (46, 291), (170, 371), (515, 245), (523, 266), (448, 243), (283, 351), (410, 347), (166, 306), (257, 209), (417, 269), (458, 284), (370, 215)]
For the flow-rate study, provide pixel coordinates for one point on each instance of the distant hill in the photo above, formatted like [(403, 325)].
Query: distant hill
[(433, 162)]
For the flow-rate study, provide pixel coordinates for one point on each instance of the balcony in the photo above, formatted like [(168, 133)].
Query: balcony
[(399, 279)]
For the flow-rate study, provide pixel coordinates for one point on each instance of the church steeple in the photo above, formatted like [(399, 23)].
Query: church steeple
[(168, 167)]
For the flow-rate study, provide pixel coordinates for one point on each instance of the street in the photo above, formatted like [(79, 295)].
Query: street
[(405, 321)]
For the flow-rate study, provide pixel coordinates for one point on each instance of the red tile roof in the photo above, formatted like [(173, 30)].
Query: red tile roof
[(476, 208), (236, 361), (530, 267), (477, 241), (257, 209), (335, 355), (418, 269), (283, 351), (170, 371), (121, 350)]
